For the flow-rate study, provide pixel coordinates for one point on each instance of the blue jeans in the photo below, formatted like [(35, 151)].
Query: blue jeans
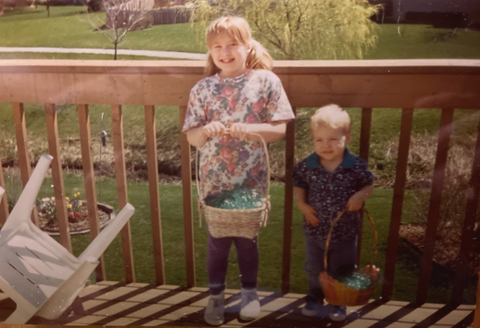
[(342, 259), (217, 261)]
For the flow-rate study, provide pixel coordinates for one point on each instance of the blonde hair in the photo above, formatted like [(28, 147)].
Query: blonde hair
[(238, 29), (332, 116)]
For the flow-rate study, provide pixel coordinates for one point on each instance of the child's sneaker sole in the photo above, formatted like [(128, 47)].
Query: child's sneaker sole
[(309, 313), (214, 322)]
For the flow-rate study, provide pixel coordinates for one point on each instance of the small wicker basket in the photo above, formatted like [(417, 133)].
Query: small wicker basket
[(337, 293), (235, 223)]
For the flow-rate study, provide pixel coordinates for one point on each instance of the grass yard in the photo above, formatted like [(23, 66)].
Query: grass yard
[(385, 132), (270, 241), (424, 41), (46, 55), (71, 27)]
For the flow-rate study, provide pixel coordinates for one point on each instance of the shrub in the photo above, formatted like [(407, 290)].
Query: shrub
[(456, 183)]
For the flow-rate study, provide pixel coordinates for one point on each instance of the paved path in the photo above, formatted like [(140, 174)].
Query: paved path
[(147, 53)]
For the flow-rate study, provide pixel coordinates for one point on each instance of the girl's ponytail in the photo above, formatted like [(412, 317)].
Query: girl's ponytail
[(258, 57)]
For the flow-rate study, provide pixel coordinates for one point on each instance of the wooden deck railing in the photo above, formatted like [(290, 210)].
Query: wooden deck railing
[(406, 84)]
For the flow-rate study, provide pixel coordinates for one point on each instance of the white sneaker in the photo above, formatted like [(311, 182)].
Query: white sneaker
[(310, 309), (250, 305), (338, 313), (214, 310)]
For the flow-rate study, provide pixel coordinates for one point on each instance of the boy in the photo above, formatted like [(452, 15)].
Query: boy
[(326, 182)]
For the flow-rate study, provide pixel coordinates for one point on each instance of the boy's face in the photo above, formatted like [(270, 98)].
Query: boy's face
[(330, 142), (229, 55)]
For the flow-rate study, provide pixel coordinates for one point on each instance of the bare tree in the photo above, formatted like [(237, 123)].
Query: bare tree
[(124, 16), (48, 3)]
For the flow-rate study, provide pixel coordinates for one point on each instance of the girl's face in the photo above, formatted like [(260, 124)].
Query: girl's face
[(229, 55)]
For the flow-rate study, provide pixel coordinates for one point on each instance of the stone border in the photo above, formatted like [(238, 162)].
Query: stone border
[(100, 206)]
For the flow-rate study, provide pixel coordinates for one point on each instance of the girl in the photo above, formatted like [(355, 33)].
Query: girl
[(241, 94)]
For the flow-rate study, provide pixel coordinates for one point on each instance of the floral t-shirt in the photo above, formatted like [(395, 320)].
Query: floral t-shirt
[(228, 163)]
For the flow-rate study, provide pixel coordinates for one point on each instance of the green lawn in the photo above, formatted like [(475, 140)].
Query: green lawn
[(70, 27), (46, 55), (423, 41), (385, 130), (270, 241)]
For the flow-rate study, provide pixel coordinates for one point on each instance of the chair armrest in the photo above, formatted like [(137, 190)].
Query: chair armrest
[(101, 242)]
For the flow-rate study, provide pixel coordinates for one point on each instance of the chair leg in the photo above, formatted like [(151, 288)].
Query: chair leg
[(20, 315)]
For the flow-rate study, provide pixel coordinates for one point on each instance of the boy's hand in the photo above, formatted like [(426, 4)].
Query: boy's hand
[(373, 271), (310, 215), (355, 203), (239, 130), (214, 129)]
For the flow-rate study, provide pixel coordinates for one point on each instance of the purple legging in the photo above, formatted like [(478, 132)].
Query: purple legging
[(217, 261)]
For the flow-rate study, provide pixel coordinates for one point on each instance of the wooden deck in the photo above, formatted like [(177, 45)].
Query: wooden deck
[(136, 304)]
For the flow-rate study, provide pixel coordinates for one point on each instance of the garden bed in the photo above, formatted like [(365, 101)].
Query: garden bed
[(78, 225), (447, 247)]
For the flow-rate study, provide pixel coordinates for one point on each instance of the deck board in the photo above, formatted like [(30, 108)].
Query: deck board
[(136, 304)]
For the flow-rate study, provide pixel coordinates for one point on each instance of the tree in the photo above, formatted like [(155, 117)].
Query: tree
[(95, 6), (48, 3), (123, 16), (299, 29)]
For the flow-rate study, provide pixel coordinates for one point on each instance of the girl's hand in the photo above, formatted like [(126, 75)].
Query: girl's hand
[(239, 130), (310, 215), (355, 203), (214, 129)]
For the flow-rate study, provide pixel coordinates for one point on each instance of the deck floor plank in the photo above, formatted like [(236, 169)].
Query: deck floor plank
[(110, 303)]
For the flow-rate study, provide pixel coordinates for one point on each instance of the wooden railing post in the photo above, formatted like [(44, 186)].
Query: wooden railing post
[(288, 208), (4, 201), (472, 196), (476, 320), (364, 151), (89, 180), (57, 174), (398, 193), (122, 193), (22, 145), (152, 168), (435, 201), (187, 202)]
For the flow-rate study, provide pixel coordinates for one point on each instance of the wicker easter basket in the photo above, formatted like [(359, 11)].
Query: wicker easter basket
[(336, 293), (235, 223)]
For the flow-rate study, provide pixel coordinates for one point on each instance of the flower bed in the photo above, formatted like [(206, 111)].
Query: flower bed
[(77, 215)]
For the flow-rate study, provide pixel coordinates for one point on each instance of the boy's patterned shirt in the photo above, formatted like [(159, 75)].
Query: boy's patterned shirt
[(328, 193), (254, 97)]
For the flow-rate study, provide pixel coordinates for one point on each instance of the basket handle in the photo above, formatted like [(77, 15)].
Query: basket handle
[(197, 164), (334, 222)]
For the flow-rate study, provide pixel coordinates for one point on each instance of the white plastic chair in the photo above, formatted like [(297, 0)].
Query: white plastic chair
[(38, 273)]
